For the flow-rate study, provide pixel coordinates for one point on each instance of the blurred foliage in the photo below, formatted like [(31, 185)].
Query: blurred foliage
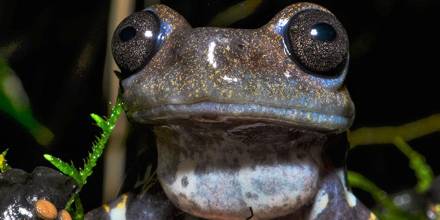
[(390, 210), (387, 134), (418, 164), (80, 175), (235, 13), (14, 102), (396, 135)]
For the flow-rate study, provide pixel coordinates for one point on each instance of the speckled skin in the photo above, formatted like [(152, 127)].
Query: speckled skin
[(242, 127), (247, 68), (218, 172)]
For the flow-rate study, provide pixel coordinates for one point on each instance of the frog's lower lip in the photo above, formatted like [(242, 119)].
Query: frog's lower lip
[(221, 112)]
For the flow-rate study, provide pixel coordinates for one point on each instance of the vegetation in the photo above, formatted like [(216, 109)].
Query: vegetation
[(80, 175), (398, 136), (387, 134), (235, 13), (14, 102)]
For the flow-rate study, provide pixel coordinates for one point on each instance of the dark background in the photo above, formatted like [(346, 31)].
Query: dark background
[(392, 78)]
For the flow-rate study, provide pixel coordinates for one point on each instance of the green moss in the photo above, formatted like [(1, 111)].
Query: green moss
[(80, 175), (14, 102)]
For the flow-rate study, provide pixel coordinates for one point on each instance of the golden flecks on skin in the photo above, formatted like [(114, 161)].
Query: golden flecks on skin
[(45, 209), (233, 66), (199, 73), (170, 16)]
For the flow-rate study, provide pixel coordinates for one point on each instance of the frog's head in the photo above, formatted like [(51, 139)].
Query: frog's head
[(239, 114), (289, 71)]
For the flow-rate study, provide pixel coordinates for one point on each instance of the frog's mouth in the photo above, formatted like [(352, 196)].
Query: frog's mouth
[(211, 112)]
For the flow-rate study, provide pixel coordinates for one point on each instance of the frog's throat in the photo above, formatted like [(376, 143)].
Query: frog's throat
[(219, 171), (221, 112)]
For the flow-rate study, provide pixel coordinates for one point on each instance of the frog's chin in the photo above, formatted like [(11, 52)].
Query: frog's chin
[(211, 112), (217, 173)]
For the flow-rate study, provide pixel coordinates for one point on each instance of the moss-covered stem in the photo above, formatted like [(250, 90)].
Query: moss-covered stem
[(80, 175)]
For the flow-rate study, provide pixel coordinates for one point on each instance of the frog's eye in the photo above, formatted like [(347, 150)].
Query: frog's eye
[(135, 41), (318, 42)]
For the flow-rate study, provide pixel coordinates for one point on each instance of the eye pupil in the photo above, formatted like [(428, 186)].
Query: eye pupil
[(323, 32), (127, 33)]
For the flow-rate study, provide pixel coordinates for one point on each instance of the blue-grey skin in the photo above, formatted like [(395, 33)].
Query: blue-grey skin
[(241, 124)]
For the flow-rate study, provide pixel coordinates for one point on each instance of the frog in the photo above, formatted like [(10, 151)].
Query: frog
[(242, 118)]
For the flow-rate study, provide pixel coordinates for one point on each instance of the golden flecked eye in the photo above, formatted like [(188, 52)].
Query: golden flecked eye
[(135, 41), (318, 42)]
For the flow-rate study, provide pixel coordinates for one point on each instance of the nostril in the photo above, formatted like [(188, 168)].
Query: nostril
[(127, 33)]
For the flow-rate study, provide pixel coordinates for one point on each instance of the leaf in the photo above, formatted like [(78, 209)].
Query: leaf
[(15, 103), (65, 168), (98, 146), (99, 121), (81, 175)]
